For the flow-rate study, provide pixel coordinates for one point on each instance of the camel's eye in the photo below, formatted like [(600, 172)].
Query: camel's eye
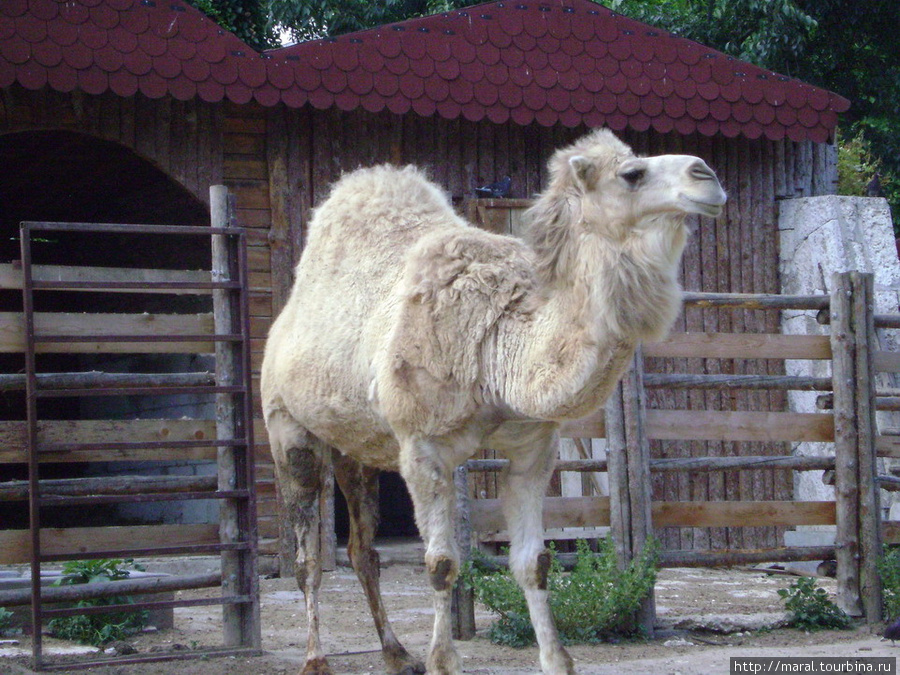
[(633, 176)]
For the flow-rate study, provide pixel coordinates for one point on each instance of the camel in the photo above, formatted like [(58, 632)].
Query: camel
[(412, 339)]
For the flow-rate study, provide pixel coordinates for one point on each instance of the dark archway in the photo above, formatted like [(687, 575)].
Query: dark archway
[(69, 176), (57, 175)]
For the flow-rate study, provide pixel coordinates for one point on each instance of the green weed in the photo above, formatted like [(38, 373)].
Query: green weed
[(810, 606), (98, 629), (594, 601), (889, 571)]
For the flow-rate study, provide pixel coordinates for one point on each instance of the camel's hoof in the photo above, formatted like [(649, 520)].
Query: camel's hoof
[(416, 669), (316, 667), (401, 663), (444, 661)]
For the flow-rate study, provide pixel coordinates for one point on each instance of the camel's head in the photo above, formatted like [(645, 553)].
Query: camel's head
[(618, 187)]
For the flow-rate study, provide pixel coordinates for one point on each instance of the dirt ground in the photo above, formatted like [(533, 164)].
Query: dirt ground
[(689, 603)]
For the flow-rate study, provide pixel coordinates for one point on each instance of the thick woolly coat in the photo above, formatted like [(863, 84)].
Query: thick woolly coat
[(406, 320)]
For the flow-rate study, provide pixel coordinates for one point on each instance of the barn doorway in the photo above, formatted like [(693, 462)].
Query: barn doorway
[(57, 175), (397, 518)]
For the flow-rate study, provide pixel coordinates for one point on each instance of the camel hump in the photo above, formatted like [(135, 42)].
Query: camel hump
[(383, 197), (457, 287)]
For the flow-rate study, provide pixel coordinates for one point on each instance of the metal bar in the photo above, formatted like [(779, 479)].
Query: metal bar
[(135, 552), (34, 506), (136, 338), (125, 285), (154, 658), (150, 604), (132, 391), (119, 228), (51, 448), (64, 500)]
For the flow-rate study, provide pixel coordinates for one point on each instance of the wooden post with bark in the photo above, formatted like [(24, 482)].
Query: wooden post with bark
[(858, 536), (629, 475), (463, 607), (241, 620)]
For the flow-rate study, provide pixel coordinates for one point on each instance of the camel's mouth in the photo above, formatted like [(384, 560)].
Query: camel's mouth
[(704, 208)]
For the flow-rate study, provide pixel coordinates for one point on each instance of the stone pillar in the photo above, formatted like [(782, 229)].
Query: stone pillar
[(821, 236)]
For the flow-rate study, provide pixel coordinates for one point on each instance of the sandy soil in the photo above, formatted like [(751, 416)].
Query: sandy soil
[(687, 600)]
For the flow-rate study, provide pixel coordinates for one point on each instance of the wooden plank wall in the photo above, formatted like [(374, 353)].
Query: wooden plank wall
[(281, 162), (182, 138), (246, 173), (737, 252)]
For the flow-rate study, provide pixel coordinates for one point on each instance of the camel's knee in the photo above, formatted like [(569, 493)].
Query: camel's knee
[(304, 465), (308, 573), (442, 571), (364, 559), (532, 571)]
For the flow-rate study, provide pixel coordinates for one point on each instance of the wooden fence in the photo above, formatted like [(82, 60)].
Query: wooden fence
[(631, 513), (54, 440)]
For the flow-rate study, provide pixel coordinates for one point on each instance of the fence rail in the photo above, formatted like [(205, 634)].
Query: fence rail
[(847, 423)]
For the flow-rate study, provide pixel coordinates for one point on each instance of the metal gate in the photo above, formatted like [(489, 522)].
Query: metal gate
[(229, 439)]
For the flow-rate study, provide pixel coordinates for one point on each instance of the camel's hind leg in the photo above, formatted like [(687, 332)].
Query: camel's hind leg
[(524, 485), (298, 469), (360, 487)]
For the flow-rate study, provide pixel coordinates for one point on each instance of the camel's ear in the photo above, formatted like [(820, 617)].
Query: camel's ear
[(583, 169)]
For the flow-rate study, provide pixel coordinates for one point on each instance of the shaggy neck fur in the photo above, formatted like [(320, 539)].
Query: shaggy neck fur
[(601, 295)]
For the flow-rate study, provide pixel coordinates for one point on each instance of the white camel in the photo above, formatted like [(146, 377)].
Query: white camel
[(412, 339)]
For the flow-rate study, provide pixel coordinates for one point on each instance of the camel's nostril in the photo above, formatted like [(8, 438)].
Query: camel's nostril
[(700, 171)]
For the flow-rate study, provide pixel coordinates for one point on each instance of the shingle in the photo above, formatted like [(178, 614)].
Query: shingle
[(569, 62)]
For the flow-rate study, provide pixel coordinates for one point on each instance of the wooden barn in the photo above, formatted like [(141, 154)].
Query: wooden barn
[(127, 111)]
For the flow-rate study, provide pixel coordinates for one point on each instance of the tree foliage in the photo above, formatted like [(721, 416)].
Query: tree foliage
[(846, 46), (308, 19), (248, 19)]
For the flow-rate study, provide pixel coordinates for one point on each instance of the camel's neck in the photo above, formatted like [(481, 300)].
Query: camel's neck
[(602, 297)]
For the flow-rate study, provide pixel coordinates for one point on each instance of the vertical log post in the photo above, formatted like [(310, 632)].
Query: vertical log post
[(241, 621), (870, 544), (858, 536), (629, 475), (463, 605)]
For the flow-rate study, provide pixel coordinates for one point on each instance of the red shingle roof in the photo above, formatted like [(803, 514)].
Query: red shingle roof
[(156, 47), (564, 62)]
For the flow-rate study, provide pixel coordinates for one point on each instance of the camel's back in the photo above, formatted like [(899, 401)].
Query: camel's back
[(318, 356)]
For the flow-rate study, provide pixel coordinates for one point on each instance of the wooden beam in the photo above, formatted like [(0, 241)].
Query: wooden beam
[(786, 462), (12, 332), (595, 512), (740, 346), (11, 277), (109, 485), (13, 439), (95, 378), (15, 545), (708, 425)]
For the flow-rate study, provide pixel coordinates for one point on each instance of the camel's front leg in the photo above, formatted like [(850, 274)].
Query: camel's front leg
[(360, 487), (525, 483), (298, 468), (427, 467)]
